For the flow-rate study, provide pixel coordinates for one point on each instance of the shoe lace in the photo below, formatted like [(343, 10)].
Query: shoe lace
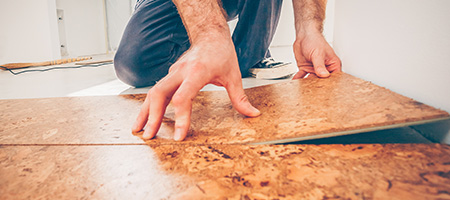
[(269, 61)]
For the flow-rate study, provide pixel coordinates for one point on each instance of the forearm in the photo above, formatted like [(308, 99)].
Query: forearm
[(203, 20), (309, 16)]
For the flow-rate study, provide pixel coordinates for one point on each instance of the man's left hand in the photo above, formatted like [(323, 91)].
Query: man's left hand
[(314, 55)]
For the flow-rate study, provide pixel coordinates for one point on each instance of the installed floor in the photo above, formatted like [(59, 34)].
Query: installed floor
[(370, 171), (71, 148)]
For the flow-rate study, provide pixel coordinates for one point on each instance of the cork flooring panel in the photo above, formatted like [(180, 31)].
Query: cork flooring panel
[(393, 171), (312, 107), (68, 120)]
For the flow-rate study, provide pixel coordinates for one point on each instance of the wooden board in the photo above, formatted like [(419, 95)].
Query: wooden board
[(291, 111), (394, 171)]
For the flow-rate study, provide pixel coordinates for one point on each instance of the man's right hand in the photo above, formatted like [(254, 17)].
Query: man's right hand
[(212, 60)]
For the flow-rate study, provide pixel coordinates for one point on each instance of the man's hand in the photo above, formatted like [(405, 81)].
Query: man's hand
[(312, 52), (314, 55), (211, 59)]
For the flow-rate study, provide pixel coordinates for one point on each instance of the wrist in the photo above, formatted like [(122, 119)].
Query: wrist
[(211, 35), (213, 38), (309, 29)]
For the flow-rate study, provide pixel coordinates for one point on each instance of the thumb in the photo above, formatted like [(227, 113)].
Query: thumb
[(319, 67), (239, 99)]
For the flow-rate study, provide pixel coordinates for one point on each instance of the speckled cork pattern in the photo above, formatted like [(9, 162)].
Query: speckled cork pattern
[(68, 120), (371, 171), (290, 110), (82, 147), (300, 108)]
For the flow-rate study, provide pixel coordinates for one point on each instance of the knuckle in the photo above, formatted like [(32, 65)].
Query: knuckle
[(152, 123), (339, 61), (197, 67), (180, 125), (178, 100), (142, 114), (174, 67), (243, 98), (179, 65), (182, 98), (155, 91)]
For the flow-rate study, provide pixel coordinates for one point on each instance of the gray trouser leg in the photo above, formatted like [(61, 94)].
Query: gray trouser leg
[(254, 31), (155, 38)]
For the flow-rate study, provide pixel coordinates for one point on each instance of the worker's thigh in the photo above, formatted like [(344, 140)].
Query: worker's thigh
[(153, 40)]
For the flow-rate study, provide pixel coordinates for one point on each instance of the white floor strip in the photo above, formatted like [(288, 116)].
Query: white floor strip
[(114, 87)]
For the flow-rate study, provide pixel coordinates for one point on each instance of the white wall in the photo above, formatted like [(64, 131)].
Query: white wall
[(118, 12), (29, 31), (85, 26), (403, 45)]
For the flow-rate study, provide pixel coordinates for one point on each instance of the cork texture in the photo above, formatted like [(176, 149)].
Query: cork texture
[(290, 110), (82, 147), (369, 171)]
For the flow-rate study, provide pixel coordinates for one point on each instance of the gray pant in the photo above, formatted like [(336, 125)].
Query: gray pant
[(155, 38)]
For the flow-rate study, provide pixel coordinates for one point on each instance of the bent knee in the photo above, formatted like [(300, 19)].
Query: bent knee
[(137, 74)]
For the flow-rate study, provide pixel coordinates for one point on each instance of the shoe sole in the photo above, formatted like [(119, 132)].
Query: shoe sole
[(274, 73)]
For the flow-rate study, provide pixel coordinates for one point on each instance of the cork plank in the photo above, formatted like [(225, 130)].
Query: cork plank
[(69, 120), (297, 110), (302, 109), (392, 171)]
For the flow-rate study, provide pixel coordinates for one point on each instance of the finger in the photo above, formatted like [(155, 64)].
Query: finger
[(319, 67), (160, 96), (305, 64), (159, 101), (142, 117), (300, 74), (308, 69), (144, 113), (239, 99), (301, 70), (182, 102), (335, 66)]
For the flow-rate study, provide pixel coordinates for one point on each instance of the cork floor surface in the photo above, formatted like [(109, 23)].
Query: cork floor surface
[(369, 171), (291, 111), (82, 147)]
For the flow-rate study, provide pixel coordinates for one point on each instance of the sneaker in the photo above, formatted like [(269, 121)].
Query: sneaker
[(271, 69)]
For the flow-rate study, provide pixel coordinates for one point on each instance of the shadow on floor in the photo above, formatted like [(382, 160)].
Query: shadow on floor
[(435, 132), (397, 135)]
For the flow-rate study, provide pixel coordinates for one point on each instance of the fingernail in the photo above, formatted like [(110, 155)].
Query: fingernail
[(324, 73), (135, 127), (146, 134), (255, 111), (177, 135)]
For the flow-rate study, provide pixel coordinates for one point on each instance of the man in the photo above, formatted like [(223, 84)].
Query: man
[(185, 44)]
